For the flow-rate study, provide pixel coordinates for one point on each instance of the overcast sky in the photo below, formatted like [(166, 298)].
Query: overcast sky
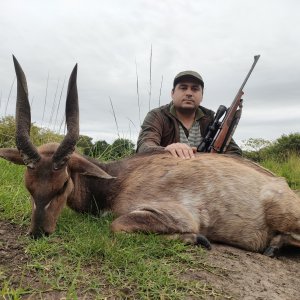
[(111, 42)]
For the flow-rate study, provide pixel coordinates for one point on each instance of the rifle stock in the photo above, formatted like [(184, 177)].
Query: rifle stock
[(224, 135)]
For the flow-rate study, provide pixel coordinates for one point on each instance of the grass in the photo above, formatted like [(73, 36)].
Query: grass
[(84, 259), (290, 169)]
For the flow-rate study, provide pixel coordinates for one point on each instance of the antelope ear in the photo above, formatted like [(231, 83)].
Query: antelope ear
[(83, 166), (12, 155)]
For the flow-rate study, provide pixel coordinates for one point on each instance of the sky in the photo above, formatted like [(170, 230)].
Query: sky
[(128, 53)]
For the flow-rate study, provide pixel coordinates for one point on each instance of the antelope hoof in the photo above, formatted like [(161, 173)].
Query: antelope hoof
[(38, 234), (272, 251), (203, 241)]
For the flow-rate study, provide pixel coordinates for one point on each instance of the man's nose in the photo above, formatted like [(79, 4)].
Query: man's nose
[(189, 92)]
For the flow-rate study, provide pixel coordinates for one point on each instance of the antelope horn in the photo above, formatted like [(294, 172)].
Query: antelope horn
[(27, 150), (67, 146)]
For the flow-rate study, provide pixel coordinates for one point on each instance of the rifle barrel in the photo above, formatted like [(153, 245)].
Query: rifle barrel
[(256, 58)]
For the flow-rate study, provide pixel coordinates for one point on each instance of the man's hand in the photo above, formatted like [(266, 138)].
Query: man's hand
[(181, 150)]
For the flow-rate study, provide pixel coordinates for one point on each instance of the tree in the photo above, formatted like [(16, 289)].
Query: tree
[(253, 144), (281, 149), (253, 148), (85, 144), (121, 148), (101, 149), (286, 145)]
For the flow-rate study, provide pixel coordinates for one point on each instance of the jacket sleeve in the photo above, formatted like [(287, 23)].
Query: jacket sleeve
[(233, 148), (149, 139)]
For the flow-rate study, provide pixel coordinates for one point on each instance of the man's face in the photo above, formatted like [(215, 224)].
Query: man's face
[(187, 95)]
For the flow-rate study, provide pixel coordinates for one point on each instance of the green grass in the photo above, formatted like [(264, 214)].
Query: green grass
[(14, 204), (83, 258), (289, 168)]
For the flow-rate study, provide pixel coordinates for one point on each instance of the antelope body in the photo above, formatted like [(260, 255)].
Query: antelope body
[(216, 197)]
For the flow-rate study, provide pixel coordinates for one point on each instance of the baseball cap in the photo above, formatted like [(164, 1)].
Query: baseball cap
[(193, 74)]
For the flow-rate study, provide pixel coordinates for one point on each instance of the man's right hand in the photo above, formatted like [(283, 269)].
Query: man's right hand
[(181, 150)]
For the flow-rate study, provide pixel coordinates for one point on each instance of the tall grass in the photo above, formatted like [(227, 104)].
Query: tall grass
[(14, 203), (150, 78), (288, 168), (138, 92), (45, 101), (8, 98), (115, 117)]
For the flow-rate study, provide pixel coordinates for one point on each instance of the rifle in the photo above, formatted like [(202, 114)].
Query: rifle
[(219, 133)]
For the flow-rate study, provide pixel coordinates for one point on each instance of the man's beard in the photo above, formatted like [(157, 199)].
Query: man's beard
[(186, 110)]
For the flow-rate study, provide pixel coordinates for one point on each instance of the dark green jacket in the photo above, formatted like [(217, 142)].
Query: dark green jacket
[(160, 129)]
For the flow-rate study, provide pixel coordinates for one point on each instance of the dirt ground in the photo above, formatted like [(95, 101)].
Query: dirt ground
[(244, 275)]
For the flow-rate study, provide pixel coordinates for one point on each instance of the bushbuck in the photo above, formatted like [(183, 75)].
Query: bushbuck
[(214, 197)]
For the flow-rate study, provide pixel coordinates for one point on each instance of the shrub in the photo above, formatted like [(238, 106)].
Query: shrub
[(279, 150), (283, 147), (38, 135), (7, 132), (101, 150), (85, 144), (120, 148)]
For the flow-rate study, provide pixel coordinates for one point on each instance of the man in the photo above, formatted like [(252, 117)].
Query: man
[(178, 127)]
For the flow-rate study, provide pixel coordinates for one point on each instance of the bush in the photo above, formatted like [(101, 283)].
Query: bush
[(101, 149), (283, 147), (253, 148), (281, 156), (120, 148), (7, 132), (38, 135), (279, 150), (85, 144)]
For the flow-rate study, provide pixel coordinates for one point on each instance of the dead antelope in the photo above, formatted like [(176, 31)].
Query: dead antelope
[(212, 197)]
